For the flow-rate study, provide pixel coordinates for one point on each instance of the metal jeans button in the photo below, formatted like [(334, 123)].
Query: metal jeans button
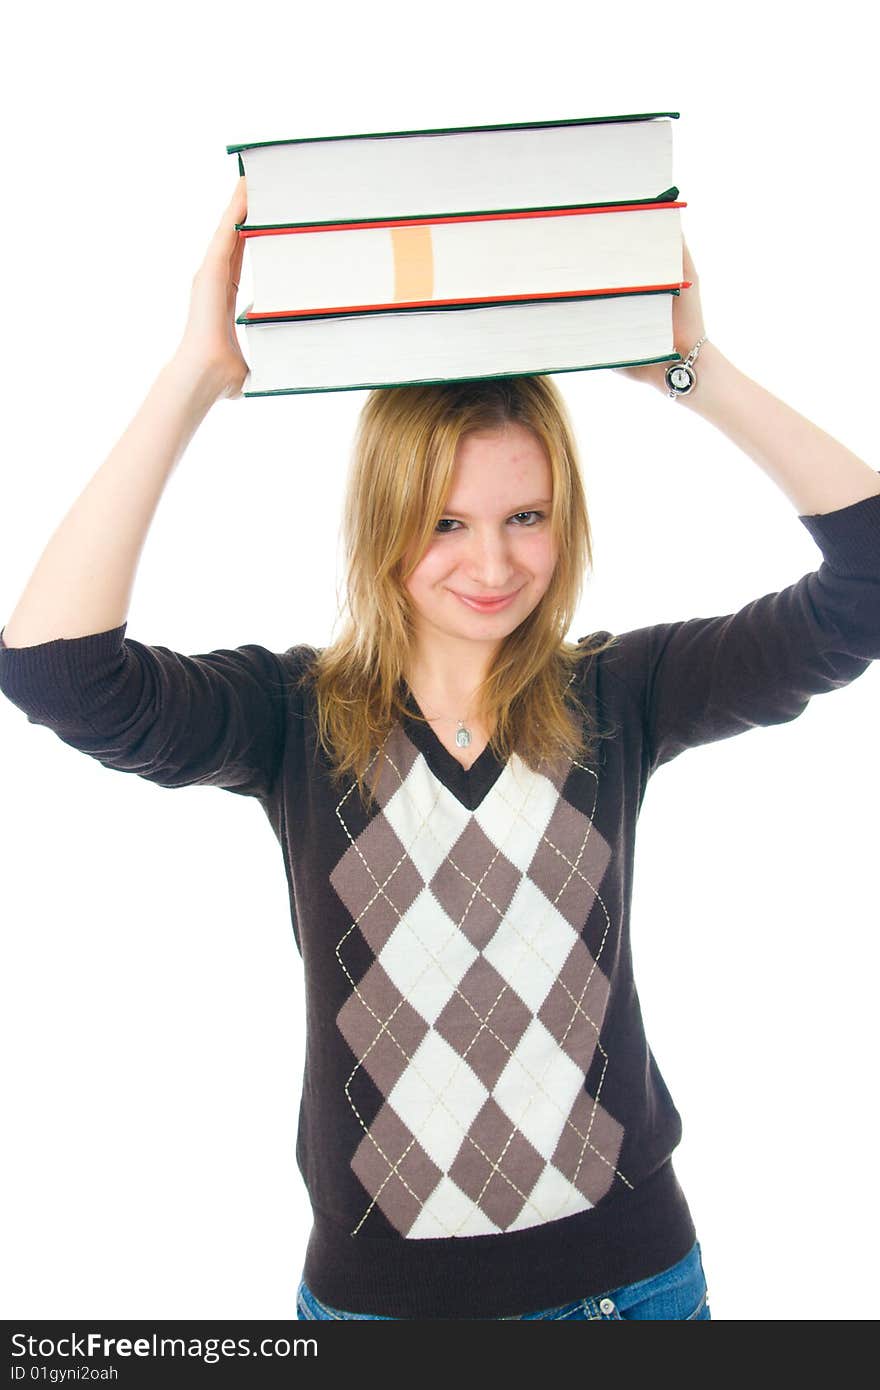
[(607, 1305)]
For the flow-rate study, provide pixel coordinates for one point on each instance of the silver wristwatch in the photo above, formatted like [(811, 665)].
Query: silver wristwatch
[(680, 376)]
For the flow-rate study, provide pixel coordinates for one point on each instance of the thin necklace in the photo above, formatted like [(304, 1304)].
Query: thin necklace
[(463, 734)]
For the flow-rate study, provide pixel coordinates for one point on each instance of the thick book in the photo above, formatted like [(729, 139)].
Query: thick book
[(481, 258), (379, 348), (591, 160)]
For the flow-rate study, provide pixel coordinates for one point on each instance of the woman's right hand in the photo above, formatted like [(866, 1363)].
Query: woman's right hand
[(209, 338)]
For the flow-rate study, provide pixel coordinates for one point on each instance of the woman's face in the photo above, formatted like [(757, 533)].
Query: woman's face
[(492, 541)]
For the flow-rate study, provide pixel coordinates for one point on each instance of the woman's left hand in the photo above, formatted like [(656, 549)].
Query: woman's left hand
[(687, 326)]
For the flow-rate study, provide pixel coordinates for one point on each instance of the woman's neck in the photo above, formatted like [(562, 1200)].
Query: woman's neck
[(438, 696), (450, 676)]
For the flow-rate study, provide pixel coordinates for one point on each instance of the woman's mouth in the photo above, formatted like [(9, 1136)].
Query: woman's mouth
[(481, 605)]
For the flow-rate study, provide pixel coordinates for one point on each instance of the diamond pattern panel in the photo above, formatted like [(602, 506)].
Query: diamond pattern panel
[(482, 1010)]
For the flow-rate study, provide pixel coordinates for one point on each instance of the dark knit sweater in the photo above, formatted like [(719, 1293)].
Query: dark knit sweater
[(483, 1128)]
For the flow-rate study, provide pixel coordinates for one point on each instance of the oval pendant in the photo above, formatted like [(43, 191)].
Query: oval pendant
[(463, 737)]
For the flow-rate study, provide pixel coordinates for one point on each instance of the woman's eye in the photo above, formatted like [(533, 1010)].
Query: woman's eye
[(539, 515)]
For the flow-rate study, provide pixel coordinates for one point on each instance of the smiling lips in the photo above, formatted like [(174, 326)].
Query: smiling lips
[(487, 605)]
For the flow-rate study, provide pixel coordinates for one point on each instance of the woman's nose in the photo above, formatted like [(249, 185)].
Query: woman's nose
[(489, 560)]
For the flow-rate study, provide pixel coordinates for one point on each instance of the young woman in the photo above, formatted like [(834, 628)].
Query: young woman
[(484, 1132)]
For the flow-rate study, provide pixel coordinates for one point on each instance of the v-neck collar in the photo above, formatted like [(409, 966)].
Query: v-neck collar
[(468, 785)]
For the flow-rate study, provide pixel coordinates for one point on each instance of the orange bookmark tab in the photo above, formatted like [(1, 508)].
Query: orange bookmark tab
[(413, 263)]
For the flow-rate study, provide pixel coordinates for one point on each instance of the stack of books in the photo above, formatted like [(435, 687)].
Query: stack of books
[(478, 251)]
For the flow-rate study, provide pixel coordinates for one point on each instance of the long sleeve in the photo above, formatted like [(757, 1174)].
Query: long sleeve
[(705, 679), (216, 719)]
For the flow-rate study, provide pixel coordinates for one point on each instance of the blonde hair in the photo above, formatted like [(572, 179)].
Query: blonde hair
[(400, 477)]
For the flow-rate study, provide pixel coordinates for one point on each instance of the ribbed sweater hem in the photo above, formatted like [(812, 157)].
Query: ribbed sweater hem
[(631, 1237)]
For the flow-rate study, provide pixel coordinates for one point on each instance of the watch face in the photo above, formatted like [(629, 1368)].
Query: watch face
[(680, 378)]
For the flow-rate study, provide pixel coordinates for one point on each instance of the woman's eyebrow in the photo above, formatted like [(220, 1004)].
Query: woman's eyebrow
[(527, 506)]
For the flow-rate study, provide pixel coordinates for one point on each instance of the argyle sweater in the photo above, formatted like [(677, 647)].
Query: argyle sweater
[(483, 1129)]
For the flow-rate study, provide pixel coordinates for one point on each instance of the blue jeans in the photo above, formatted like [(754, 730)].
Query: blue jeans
[(678, 1292)]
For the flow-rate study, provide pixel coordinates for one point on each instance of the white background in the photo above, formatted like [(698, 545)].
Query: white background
[(152, 992)]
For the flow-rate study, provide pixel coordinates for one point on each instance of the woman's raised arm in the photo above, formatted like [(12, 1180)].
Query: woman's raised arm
[(83, 580)]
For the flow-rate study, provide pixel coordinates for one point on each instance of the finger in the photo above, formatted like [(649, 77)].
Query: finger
[(238, 202), (239, 205), (225, 239), (234, 272), (237, 257)]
